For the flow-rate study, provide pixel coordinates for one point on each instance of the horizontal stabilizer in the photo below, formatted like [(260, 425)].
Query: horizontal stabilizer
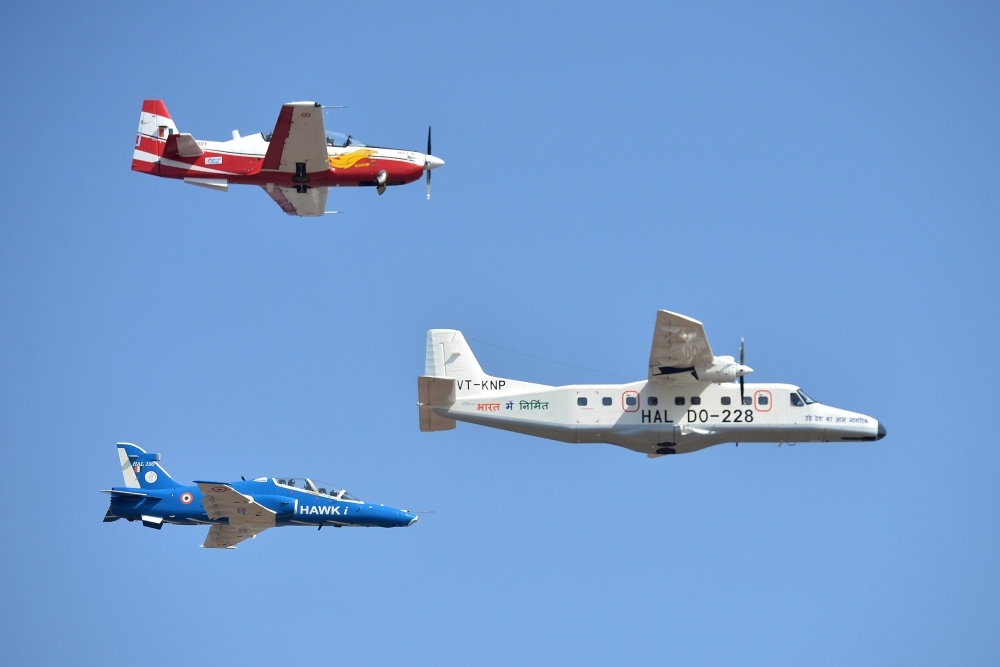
[(219, 184), (435, 390), (116, 493), (432, 421), (182, 145)]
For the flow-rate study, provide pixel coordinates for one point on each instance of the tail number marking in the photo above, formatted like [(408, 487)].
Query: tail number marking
[(485, 385)]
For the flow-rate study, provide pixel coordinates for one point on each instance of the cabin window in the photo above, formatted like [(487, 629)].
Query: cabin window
[(606, 400), (696, 400), (581, 401), (726, 400), (652, 400), (762, 399), (796, 400), (679, 400), (747, 400), (631, 401)]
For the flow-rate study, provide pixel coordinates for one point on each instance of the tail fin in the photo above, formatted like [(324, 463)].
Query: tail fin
[(448, 355), (142, 470), (155, 126)]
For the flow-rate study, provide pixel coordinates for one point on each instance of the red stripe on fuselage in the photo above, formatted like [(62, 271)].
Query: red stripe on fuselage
[(247, 170)]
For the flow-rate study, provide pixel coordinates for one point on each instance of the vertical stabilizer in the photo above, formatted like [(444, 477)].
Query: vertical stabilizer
[(155, 126), (448, 355), (141, 469)]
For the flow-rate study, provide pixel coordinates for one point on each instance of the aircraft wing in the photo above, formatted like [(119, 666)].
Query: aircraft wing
[(679, 344), (311, 203), (222, 501), (227, 537), (299, 137)]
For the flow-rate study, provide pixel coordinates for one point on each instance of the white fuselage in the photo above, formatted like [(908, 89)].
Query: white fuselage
[(656, 418)]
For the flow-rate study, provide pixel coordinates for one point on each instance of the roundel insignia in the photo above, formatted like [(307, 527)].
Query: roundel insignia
[(150, 476), (220, 489), (186, 498), (306, 114)]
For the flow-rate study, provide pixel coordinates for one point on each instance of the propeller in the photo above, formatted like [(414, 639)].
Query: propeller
[(430, 162), (742, 351), (425, 166)]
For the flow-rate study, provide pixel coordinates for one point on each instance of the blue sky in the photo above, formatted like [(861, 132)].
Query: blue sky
[(822, 180)]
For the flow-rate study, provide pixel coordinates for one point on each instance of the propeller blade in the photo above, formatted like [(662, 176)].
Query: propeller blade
[(425, 169), (742, 356)]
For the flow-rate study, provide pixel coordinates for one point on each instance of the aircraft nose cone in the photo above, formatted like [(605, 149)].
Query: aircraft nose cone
[(881, 431), (431, 162)]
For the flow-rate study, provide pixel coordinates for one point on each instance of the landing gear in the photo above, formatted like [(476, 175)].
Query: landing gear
[(300, 173), (380, 181), (666, 450)]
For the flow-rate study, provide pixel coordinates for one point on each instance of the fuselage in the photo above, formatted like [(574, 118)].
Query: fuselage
[(292, 506), (241, 161), (657, 418)]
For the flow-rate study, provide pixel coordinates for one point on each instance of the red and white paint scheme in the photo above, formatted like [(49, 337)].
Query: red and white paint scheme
[(296, 164)]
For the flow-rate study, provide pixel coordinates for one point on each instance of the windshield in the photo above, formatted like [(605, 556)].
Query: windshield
[(339, 140), (805, 397), (314, 486)]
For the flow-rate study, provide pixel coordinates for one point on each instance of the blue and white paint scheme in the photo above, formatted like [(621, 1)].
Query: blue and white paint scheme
[(237, 511)]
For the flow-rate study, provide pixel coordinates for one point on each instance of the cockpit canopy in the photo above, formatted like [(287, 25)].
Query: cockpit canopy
[(337, 139), (314, 486), (801, 398)]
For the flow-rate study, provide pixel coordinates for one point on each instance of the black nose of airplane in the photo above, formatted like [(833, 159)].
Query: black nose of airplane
[(881, 431)]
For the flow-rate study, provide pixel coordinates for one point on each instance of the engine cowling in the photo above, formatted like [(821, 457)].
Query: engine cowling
[(723, 369)]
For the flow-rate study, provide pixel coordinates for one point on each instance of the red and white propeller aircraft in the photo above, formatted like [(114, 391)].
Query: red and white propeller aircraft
[(296, 164)]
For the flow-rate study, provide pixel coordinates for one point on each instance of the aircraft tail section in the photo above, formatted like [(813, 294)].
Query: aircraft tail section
[(155, 127), (142, 470)]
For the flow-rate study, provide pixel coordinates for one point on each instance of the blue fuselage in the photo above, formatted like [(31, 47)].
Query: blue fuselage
[(182, 505)]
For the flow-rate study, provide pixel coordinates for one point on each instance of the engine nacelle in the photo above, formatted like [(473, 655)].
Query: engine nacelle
[(723, 369)]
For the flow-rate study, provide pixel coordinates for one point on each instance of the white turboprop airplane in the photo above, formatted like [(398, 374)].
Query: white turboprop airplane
[(689, 402)]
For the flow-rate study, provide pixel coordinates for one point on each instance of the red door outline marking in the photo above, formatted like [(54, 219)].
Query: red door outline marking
[(756, 402)]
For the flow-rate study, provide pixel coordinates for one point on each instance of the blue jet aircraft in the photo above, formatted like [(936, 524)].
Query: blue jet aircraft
[(239, 510)]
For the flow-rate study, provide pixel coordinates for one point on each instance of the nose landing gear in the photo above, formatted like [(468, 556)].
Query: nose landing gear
[(380, 181)]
